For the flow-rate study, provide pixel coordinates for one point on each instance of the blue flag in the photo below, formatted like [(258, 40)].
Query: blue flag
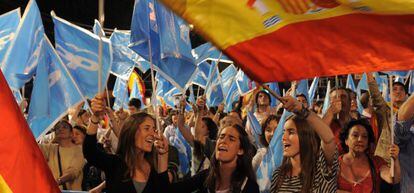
[(192, 98), (202, 73), (78, 49), (256, 128), (124, 58), (411, 85), (227, 78), (168, 36), (121, 94), (135, 92), (18, 96), (363, 83), (244, 84), (274, 86), (8, 27), (58, 88), (327, 100), (214, 90), (208, 52), (274, 156), (312, 90), (303, 88), (184, 151), (351, 85), (19, 64), (97, 28), (231, 96), (402, 74)]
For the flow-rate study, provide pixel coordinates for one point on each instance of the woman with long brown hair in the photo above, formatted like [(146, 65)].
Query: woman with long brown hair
[(133, 168), (310, 157)]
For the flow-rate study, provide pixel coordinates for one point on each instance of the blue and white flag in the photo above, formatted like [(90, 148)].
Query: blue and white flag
[(208, 52), (227, 78), (123, 57), (214, 90), (312, 90), (18, 96), (97, 28), (153, 24), (202, 73), (19, 64), (172, 97), (244, 84), (256, 128), (274, 86), (184, 152), (351, 85), (232, 96), (121, 94), (327, 100), (192, 98), (303, 88), (411, 83), (8, 27), (58, 88), (362, 84), (79, 50), (135, 92), (273, 157), (402, 74)]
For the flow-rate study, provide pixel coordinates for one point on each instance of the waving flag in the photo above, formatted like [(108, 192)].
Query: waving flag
[(411, 83), (292, 40), (124, 59), (192, 98), (54, 92), (155, 25), (231, 96), (326, 101), (184, 151), (18, 96), (312, 90), (19, 153), (136, 79), (256, 129), (202, 73), (351, 85), (227, 78), (78, 49), (303, 88), (214, 90), (97, 28), (121, 94), (275, 87), (244, 84), (8, 27), (274, 156), (206, 52), (19, 64)]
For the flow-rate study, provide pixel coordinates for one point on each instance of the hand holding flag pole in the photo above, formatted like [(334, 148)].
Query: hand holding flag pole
[(101, 21)]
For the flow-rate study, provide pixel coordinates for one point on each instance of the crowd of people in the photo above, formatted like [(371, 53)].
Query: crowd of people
[(208, 150)]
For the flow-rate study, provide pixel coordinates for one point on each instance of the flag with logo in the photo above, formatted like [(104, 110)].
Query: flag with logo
[(8, 27), (293, 40)]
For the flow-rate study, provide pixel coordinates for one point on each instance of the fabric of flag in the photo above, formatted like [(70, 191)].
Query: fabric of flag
[(8, 27), (192, 98), (227, 78), (18, 96), (172, 97), (399, 73), (312, 90), (292, 40), (256, 128), (363, 83), (135, 78), (244, 84), (303, 88), (206, 52), (273, 157), (120, 93), (202, 73), (54, 92), (275, 87), (411, 83), (135, 93), (19, 63), (168, 36), (184, 151), (124, 59), (78, 48), (214, 89), (327, 100), (351, 85), (20, 155), (97, 28), (231, 96)]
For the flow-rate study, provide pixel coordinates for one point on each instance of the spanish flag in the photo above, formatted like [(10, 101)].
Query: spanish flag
[(281, 40), (141, 85), (23, 168)]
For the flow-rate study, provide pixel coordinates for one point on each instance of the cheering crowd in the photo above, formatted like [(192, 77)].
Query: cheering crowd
[(207, 150)]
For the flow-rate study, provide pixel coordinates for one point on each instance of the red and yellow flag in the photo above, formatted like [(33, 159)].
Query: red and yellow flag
[(23, 167), (141, 85), (280, 40)]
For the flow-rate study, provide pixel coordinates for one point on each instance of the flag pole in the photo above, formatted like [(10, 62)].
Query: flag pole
[(392, 126), (337, 95), (273, 93), (124, 95), (101, 18)]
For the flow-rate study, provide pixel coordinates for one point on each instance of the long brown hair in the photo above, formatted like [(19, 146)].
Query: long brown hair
[(309, 144), (126, 145), (243, 169)]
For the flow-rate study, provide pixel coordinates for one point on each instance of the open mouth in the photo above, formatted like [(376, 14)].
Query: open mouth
[(150, 141), (222, 149), (285, 146)]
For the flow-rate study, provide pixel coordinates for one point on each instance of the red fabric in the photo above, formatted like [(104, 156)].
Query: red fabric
[(365, 186), (22, 165), (347, 44)]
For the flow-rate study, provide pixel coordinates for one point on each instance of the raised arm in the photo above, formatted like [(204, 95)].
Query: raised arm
[(377, 99), (322, 129), (181, 124), (406, 111)]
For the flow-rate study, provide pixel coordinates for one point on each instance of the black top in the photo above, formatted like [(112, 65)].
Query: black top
[(115, 170), (196, 184)]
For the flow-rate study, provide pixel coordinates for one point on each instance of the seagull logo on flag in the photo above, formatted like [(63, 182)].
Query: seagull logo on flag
[(75, 61)]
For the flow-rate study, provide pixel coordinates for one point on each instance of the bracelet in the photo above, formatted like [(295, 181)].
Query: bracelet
[(93, 122)]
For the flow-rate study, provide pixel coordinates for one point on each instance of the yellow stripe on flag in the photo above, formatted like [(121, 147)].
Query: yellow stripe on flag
[(4, 188)]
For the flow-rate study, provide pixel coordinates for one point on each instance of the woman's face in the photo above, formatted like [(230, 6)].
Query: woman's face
[(145, 135), (269, 130), (78, 137), (290, 140), (203, 129), (357, 140), (228, 145)]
